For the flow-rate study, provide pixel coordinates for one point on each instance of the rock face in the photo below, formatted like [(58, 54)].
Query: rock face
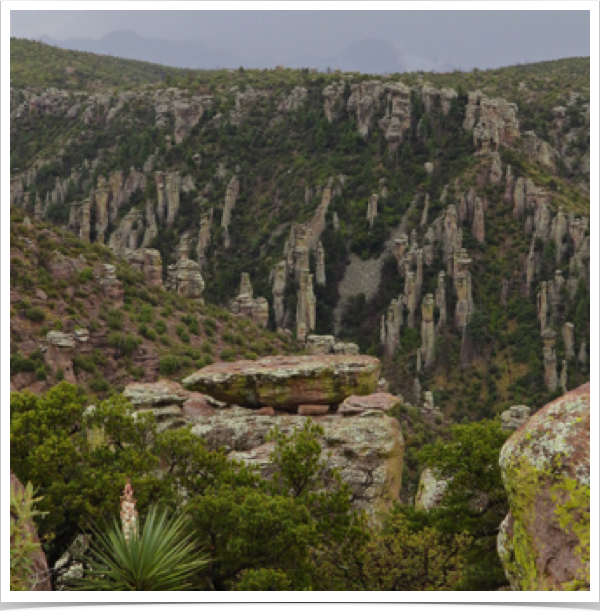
[(544, 542), (514, 417), (367, 450), (430, 491), (149, 262), (380, 401), (40, 581), (60, 352), (287, 382), (164, 399)]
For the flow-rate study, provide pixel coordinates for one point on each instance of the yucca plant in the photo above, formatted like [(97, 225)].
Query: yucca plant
[(159, 556)]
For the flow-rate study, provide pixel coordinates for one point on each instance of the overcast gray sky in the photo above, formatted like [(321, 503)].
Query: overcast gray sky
[(424, 40)]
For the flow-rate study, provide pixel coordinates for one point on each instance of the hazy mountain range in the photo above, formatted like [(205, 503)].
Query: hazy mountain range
[(368, 55)]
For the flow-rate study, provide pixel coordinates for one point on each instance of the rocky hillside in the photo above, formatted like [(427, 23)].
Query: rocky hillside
[(438, 221), (80, 314)]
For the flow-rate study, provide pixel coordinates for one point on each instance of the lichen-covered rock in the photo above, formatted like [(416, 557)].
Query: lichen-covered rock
[(368, 450), (430, 491), (544, 542), (165, 399), (287, 382), (381, 401)]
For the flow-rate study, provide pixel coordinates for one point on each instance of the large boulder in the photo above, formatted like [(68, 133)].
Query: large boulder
[(39, 579), (368, 450), (430, 491), (544, 542), (285, 382)]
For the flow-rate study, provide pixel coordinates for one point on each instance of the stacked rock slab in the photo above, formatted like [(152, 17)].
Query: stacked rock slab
[(149, 262), (430, 490), (544, 542), (356, 405), (164, 399), (246, 306), (286, 382), (367, 450)]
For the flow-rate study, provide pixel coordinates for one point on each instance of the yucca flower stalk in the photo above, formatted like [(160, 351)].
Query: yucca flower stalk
[(129, 515)]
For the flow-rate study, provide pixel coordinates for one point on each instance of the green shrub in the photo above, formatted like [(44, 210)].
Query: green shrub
[(228, 354), (160, 327), (21, 364), (98, 383), (35, 314), (169, 365), (87, 273)]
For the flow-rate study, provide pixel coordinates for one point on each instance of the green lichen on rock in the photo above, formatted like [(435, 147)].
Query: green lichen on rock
[(286, 382), (544, 541)]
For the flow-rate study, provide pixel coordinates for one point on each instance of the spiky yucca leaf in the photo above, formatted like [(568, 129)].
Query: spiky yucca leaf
[(162, 556)]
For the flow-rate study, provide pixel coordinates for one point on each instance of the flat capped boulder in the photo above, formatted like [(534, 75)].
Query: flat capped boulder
[(544, 542), (285, 382)]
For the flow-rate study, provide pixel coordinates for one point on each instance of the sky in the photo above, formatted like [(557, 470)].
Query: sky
[(386, 40)]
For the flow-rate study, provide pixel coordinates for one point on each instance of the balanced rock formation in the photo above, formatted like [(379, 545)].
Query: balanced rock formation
[(544, 542), (380, 401), (284, 382), (184, 277), (39, 579), (245, 305), (366, 450)]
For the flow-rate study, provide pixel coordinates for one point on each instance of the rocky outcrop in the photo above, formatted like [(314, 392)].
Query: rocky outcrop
[(334, 99), (550, 375), (187, 114), (125, 238), (367, 450), (168, 186), (428, 330), (568, 333), (149, 262), (364, 100), (278, 281), (38, 579), (293, 101), (396, 121), (287, 382), (306, 308), (59, 354), (544, 542), (356, 405), (246, 306), (184, 277), (539, 151), (372, 209), (515, 417), (111, 287), (430, 491), (320, 344), (164, 399), (204, 235), (493, 121), (231, 195), (320, 265)]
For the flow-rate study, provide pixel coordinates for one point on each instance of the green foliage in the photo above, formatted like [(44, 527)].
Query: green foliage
[(169, 365), (79, 483), (475, 501), (162, 557)]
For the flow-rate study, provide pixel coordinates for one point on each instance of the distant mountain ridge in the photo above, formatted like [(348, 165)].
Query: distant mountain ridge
[(367, 56), (128, 44)]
